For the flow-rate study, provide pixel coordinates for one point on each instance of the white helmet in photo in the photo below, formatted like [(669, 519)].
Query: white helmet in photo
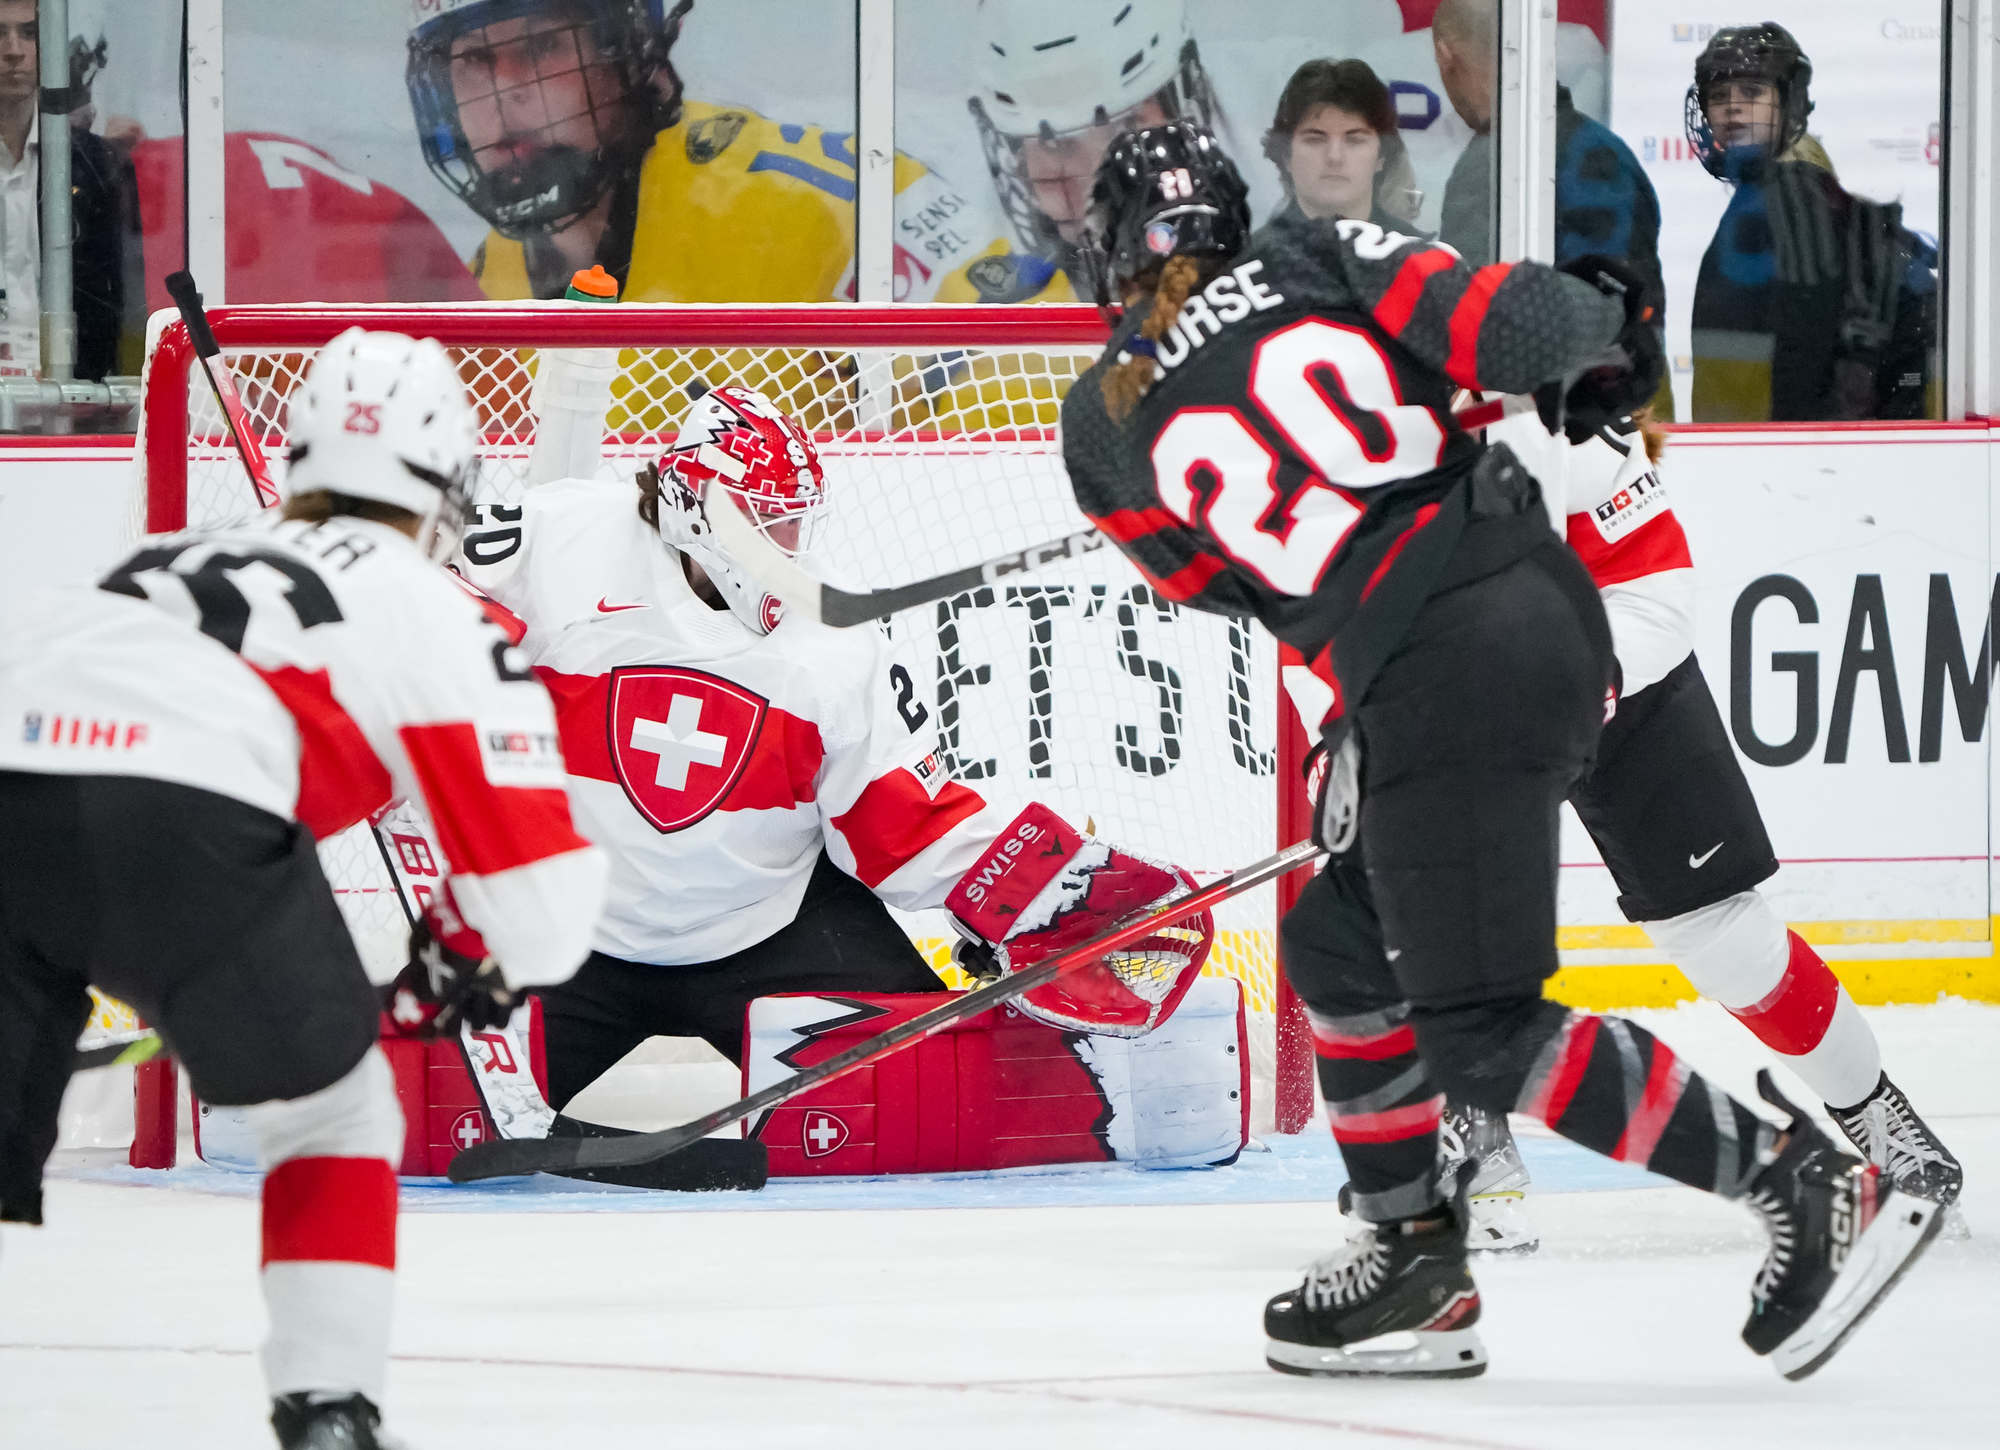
[(1050, 69), (736, 443), (385, 417)]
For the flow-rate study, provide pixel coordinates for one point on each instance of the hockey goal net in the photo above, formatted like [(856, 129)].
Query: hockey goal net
[(1078, 685)]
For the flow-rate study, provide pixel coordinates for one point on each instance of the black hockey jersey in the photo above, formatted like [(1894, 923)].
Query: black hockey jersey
[(1298, 441)]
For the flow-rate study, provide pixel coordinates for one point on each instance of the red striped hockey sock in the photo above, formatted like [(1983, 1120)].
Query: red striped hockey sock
[(1612, 1086), (1384, 1109), (329, 1271)]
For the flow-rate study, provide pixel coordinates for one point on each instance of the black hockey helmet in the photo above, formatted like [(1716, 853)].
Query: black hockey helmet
[(1762, 52), (557, 182), (1166, 191)]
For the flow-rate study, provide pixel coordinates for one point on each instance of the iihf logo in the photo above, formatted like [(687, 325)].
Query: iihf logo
[(31, 726)]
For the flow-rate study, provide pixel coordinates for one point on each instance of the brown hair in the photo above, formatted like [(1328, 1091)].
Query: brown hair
[(1654, 435), (1353, 86), (1126, 383), (648, 479), (320, 504)]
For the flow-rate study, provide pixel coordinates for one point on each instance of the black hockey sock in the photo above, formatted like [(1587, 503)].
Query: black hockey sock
[(1384, 1109), (1612, 1086)]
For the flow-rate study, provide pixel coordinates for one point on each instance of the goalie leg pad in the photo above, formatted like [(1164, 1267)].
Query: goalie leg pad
[(1042, 887), (1000, 1090)]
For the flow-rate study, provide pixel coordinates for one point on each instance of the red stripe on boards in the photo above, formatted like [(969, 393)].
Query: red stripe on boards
[(1462, 365), (341, 779), (331, 1210), (482, 827)]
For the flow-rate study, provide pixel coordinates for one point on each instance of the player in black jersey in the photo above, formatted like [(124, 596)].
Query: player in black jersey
[(1269, 433)]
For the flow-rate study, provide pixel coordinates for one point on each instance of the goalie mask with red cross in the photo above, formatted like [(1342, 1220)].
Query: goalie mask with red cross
[(736, 446), (740, 440)]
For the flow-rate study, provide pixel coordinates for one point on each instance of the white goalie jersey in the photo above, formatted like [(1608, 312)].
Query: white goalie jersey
[(317, 671), (716, 763)]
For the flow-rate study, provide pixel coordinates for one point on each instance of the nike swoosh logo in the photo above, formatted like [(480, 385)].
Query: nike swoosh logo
[(603, 608), (1393, 953), (1695, 863)]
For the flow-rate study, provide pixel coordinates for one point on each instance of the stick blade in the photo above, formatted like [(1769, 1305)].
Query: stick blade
[(514, 1158), (708, 1165)]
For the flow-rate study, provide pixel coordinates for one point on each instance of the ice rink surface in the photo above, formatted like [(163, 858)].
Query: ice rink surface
[(1099, 1307)]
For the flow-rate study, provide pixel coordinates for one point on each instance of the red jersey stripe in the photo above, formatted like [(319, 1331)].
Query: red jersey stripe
[(895, 819), (482, 827), (1190, 579), (582, 708), (1424, 515), (1657, 545), (1399, 303), (1128, 524), (331, 1210), (341, 779), (1462, 366)]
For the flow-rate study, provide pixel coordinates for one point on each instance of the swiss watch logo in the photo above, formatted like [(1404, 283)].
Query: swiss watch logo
[(823, 1133), (679, 740)]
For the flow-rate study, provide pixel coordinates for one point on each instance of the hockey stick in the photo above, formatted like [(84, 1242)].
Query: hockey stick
[(519, 1156), (126, 1049), (180, 287), (782, 575)]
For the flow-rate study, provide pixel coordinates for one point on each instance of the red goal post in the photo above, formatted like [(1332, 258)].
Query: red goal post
[(937, 426)]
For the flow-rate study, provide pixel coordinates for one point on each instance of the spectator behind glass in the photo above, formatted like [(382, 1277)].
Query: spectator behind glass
[(1338, 151), (1810, 303), (1604, 204), (100, 202)]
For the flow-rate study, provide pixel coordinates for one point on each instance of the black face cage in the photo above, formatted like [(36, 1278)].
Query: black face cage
[(562, 183), (1186, 97), (1760, 58)]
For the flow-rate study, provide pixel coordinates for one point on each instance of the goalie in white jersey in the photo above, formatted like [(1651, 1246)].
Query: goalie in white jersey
[(171, 744), (765, 784)]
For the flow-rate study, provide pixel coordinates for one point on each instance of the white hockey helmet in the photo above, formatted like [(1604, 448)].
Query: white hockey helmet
[(1049, 69), (736, 440), (385, 417)]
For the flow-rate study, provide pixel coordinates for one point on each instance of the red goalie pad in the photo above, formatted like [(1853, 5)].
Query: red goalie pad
[(1043, 888), (998, 1090)]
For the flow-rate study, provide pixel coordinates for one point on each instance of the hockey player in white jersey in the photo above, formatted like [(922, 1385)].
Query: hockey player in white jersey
[(1674, 818), (767, 786), (172, 743)]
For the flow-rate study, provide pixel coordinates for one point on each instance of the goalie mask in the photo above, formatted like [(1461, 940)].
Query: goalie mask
[(1057, 80), (737, 449), (385, 417), (531, 110)]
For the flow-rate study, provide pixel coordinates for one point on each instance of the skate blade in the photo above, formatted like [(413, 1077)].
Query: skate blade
[(1894, 1241), (1450, 1354), (1500, 1225)]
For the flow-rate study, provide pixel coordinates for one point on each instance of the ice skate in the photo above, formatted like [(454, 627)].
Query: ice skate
[(1497, 1211), (349, 1423), (1889, 1134), (1390, 1302), (1841, 1234)]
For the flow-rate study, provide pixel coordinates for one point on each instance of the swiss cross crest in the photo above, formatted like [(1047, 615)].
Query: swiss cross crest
[(679, 740), (822, 1134), (468, 1130)]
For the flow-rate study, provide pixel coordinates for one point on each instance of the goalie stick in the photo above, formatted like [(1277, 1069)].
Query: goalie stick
[(180, 287), (550, 1155), (781, 574)]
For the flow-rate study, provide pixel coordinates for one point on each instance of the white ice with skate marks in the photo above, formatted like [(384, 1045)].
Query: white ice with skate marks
[(1086, 1305)]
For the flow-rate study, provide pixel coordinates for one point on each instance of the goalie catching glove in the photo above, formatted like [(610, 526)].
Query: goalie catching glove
[(1043, 887), (450, 979)]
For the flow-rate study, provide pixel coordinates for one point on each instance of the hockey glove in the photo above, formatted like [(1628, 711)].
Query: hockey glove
[(1333, 782), (448, 980), (1625, 380), (1042, 887)]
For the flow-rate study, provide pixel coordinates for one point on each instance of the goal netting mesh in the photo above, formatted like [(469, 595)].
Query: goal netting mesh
[(1078, 686)]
